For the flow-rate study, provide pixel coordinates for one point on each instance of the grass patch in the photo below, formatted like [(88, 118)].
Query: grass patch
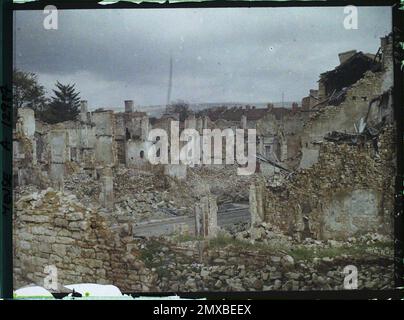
[(180, 238), (147, 254), (302, 252), (222, 241), (299, 252)]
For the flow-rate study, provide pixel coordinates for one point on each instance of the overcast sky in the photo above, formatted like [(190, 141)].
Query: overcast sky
[(219, 55)]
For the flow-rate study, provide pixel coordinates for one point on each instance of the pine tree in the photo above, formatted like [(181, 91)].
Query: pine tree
[(64, 105)]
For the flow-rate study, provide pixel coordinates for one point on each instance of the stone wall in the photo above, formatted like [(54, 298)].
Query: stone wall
[(105, 150), (27, 119), (348, 191), (104, 123), (51, 228), (137, 153), (347, 115), (287, 131)]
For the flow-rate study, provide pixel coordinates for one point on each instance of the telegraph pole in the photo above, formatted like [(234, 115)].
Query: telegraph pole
[(170, 82)]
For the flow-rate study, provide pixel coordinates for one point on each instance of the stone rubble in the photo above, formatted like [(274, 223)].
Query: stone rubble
[(228, 269)]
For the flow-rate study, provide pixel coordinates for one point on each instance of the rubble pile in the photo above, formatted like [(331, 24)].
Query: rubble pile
[(232, 267), (149, 205), (265, 234), (85, 187), (223, 182), (153, 188), (139, 195), (236, 228), (376, 274), (129, 181)]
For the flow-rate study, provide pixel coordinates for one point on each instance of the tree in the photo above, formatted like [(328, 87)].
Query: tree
[(27, 92), (64, 105), (182, 108)]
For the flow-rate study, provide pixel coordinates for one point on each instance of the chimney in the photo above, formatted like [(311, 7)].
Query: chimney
[(144, 124), (83, 106), (129, 106), (295, 106)]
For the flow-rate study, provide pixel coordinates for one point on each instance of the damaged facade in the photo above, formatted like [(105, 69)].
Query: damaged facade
[(342, 180)]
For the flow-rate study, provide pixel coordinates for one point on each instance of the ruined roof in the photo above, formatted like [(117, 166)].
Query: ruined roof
[(367, 59), (100, 110), (347, 73), (235, 113), (280, 112)]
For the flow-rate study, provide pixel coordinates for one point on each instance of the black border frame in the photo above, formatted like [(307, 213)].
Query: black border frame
[(6, 251)]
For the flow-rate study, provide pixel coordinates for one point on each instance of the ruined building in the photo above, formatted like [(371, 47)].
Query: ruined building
[(344, 166), (100, 138)]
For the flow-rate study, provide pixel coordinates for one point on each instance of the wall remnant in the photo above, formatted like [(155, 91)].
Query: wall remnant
[(107, 188), (257, 202), (206, 217)]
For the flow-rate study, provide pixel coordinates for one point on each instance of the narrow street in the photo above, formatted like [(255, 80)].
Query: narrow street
[(228, 214)]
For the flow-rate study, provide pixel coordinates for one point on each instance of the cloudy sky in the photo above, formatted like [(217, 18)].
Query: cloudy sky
[(219, 55)]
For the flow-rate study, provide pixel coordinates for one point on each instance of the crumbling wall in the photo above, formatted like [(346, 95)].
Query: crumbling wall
[(348, 212), (293, 150), (286, 132), (59, 156), (104, 123), (27, 118), (387, 61), (23, 159), (87, 136), (268, 125), (51, 228), (257, 202), (309, 157), (137, 153), (206, 217), (105, 150), (348, 191), (344, 117), (120, 129)]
